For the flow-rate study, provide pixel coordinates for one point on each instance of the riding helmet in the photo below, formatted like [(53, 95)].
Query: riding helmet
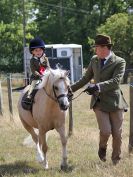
[(36, 43)]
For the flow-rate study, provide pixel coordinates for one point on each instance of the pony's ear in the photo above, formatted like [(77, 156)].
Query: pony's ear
[(67, 73), (59, 66)]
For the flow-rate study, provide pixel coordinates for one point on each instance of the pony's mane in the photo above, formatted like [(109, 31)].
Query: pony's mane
[(56, 73)]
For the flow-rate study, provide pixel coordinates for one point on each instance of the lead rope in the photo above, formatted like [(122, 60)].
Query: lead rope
[(77, 95)]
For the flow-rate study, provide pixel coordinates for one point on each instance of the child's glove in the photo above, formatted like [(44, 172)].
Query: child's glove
[(38, 75), (43, 60)]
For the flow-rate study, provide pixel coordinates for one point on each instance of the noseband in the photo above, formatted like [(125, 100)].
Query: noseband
[(56, 98), (60, 96)]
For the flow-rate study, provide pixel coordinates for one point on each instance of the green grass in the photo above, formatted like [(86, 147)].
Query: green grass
[(17, 160)]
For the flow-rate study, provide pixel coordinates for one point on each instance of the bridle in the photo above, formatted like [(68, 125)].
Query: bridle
[(59, 96), (56, 98)]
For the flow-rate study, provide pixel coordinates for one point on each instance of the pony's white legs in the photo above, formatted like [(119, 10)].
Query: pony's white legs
[(41, 151), (61, 131), (40, 156)]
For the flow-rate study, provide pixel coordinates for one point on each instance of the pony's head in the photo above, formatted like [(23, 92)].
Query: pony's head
[(61, 87), (57, 86)]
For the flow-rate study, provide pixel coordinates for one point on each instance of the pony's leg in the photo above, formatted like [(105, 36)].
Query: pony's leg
[(31, 131), (61, 131), (42, 149)]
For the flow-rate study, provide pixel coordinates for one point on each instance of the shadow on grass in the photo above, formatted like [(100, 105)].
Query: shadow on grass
[(16, 169)]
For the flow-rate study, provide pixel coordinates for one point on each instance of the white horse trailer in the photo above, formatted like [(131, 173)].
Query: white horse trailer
[(69, 56)]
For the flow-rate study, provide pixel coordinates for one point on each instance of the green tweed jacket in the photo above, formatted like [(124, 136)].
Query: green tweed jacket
[(109, 78)]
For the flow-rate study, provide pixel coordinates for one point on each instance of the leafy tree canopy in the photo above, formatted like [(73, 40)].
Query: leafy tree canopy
[(60, 21), (120, 28)]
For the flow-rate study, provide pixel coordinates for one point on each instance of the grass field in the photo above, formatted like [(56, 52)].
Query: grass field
[(17, 160)]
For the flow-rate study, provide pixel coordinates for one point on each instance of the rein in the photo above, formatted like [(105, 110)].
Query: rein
[(56, 97), (77, 96), (61, 95), (47, 92), (49, 95)]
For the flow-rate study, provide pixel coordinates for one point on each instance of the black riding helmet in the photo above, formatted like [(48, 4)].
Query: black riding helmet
[(36, 43)]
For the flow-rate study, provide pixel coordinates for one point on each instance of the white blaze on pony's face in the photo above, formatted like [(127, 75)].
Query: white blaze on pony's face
[(60, 88)]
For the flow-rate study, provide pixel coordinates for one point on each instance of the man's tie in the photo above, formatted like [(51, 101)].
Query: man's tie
[(102, 62)]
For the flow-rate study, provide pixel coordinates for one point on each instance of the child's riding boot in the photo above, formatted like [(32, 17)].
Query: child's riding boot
[(29, 94)]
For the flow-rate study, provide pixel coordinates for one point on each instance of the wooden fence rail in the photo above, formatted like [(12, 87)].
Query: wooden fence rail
[(10, 101), (1, 99)]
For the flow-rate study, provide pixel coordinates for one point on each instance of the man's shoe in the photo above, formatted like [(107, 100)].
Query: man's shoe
[(102, 154)]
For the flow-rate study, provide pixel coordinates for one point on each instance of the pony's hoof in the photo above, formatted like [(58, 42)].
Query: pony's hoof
[(39, 158), (64, 167), (45, 165)]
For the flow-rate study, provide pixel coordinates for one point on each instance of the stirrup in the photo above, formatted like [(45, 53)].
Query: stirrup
[(27, 100), (29, 97)]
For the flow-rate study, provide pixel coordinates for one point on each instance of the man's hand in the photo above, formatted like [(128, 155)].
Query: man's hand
[(91, 89)]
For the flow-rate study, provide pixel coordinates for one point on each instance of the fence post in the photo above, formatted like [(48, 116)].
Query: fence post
[(1, 103), (10, 96), (131, 117), (70, 120)]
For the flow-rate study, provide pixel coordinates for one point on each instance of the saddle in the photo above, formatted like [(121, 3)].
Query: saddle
[(26, 104)]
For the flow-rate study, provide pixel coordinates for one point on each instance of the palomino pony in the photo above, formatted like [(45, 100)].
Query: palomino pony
[(48, 112)]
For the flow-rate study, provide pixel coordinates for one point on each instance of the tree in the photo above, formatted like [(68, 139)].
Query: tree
[(120, 28), (74, 21), (11, 55), (56, 21), (11, 34)]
